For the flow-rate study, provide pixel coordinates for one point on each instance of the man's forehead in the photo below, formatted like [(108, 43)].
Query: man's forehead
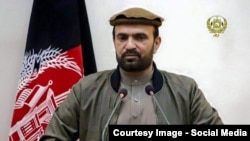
[(134, 28)]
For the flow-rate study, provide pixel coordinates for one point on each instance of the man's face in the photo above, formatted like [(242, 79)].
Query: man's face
[(135, 46)]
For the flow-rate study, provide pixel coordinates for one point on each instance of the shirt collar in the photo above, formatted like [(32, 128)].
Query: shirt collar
[(138, 80), (157, 79)]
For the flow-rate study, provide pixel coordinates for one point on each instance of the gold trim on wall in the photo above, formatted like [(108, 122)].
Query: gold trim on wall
[(216, 25)]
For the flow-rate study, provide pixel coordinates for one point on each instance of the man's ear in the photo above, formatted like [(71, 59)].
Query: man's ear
[(157, 43)]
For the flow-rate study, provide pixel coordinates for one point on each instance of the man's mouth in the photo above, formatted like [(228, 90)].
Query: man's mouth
[(131, 56)]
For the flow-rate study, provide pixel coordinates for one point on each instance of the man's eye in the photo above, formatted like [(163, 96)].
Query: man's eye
[(122, 38), (140, 38)]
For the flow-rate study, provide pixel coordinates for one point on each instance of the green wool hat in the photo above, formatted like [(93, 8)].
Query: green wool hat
[(136, 15)]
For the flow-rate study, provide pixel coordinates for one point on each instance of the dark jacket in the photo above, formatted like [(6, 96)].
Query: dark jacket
[(85, 111)]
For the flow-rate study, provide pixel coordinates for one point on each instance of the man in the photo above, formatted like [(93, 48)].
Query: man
[(88, 107)]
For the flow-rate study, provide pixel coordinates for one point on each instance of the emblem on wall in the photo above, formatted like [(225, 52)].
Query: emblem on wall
[(216, 25)]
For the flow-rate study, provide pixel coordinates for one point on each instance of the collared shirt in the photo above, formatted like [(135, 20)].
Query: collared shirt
[(137, 106)]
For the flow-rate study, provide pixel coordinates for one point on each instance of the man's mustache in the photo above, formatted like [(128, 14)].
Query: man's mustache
[(131, 53)]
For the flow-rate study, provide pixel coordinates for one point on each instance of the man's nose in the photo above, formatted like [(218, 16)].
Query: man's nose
[(130, 44)]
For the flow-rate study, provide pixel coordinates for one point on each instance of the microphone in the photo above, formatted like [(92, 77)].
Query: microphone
[(122, 93), (150, 91)]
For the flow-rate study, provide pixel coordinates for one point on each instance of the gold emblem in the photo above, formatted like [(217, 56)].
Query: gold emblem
[(216, 25)]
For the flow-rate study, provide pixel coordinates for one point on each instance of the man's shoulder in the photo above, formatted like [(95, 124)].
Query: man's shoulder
[(99, 74), (178, 79), (96, 77)]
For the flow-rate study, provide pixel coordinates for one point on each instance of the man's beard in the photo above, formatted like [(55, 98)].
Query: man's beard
[(136, 64)]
